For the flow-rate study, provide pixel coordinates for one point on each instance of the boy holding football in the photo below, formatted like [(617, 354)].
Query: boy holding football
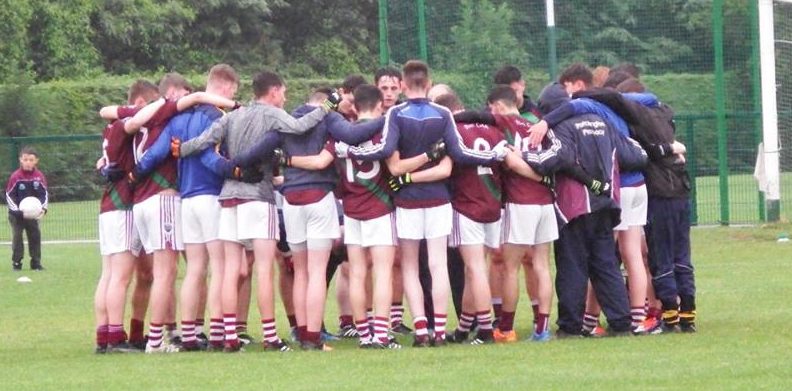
[(27, 181)]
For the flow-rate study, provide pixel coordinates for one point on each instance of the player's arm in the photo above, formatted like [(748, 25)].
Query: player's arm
[(342, 130), (202, 97), (210, 137), (398, 166), (515, 163), (109, 113), (433, 174), (383, 149), (460, 153), (157, 153), (263, 150), (143, 116), (285, 123), (629, 154), (11, 197), (311, 162)]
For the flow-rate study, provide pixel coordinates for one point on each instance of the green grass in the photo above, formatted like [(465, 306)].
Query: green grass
[(46, 334)]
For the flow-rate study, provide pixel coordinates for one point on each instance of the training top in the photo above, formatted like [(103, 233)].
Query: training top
[(117, 152), (476, 190), (22, 184), (197, 175), (164, 175), (412, 128), (242, 129)]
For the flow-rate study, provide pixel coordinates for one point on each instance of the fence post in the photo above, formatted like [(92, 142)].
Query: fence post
[(552, 60), (422, 49), (383, 33), (756, 84), (693, 168), (13, 148), (720, 107)]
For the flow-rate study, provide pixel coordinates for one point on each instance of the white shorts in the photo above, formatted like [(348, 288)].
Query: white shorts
[(251, 220), (529, 224), (467, 232), (318, 220), (200, 219), (117, 233), (423, 223), (634, 204), (158, 222), (379, 231)]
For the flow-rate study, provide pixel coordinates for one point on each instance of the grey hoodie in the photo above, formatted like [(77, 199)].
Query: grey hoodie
[(241, 129)]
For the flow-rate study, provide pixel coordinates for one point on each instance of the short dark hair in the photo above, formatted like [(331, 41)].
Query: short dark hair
[(28, 150), (366, 97), (142, 89), (351, 82), (223, 72), (264, 81), (576, 72), (616, 78), (416, 74), (387, 71), (319, 95), (450, 100), (507, 74), (504, 94), (628, 68), (631, 85), (175, 80)]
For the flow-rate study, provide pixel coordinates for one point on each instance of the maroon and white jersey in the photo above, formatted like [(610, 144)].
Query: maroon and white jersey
[(165, 176), (476, 190), (117, 152), (518, 189), (364, 185)]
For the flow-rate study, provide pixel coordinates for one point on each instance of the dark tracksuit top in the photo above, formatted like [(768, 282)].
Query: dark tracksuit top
[(412, 128)]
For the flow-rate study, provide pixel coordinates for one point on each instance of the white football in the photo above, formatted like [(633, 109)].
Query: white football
[(31, 208)]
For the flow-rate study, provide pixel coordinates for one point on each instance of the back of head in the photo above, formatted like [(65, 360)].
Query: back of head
[(351, 82), (173, 80), (439, 89), (265, 81), (416, 75), (616, 78), (551, 97), (222, 73), (367, 97), (600, 74), (504, 95), (319, 95), (387, 72), (631, 85), (142, 89), (507, 75), (451, 101), (628, 68), (576, 72)]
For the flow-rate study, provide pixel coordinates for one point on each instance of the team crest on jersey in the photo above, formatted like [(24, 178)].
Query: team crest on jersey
[(36, 185), (168, 227), (22, 186)]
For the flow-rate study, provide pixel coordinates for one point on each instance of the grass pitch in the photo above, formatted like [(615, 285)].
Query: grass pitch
[(46, 339)]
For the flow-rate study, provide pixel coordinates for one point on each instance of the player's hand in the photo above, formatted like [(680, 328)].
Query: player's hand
[(501, 150), (332, 101), (111, 173), (436, 151), (396, 183), (237, 104), (537, 133), (599, 188), (280, 158), (175, 147), (342, 150), (248, 175), (134, 176), (548, 180)]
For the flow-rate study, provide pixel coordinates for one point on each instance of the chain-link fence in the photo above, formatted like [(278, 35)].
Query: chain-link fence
[(74, 187), (783, 51), (699, 57)]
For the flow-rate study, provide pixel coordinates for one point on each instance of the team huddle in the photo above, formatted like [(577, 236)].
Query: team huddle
[(417, 198)]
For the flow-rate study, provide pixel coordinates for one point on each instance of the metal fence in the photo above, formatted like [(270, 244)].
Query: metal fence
[(702, 58)]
